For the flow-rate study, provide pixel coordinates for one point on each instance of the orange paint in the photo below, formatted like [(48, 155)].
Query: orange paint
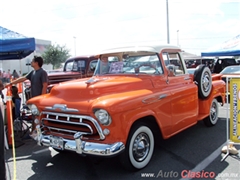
[(9, 115)]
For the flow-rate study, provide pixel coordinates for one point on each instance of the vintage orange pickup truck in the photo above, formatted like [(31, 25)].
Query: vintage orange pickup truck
[(136, 94)]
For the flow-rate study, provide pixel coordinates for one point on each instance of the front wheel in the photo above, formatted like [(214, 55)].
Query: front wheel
[(139, 148), (212, 119)]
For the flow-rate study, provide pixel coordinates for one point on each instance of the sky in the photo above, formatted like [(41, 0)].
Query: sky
[(85, 27)]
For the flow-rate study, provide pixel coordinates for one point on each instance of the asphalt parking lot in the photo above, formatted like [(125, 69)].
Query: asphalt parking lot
[(197, 149)]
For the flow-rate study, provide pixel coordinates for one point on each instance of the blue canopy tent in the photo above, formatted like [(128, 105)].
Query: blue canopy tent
[(227, 48), (14, 45)]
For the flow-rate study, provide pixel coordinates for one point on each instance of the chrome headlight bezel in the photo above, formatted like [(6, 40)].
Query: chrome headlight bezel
[(103, 117), (34, 109)]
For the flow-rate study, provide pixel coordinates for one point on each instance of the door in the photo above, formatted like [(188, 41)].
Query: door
[(184, 99)]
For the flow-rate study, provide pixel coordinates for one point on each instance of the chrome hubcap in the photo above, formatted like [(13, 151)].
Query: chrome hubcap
[(213, 112), (206, 82), (141, 147)]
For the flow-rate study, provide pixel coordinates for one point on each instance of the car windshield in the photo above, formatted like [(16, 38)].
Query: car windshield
[(231, 70), (130, 62)]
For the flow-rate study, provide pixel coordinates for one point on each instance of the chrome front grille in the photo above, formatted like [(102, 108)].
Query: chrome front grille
[(69, 124)]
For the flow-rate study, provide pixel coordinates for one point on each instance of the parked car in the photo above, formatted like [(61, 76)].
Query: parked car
[(221, 63), (134, 96), (74, 68)]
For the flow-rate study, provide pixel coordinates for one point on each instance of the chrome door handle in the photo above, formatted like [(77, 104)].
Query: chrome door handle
[(162, 96)]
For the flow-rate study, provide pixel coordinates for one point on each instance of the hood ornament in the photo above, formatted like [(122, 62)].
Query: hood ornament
[(94, 80)]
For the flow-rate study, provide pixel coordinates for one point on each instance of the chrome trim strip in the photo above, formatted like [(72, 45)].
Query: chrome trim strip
[(95, 123)]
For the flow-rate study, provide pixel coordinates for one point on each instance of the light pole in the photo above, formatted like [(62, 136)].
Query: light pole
[(168, 40), (178, 38), (74, 45)]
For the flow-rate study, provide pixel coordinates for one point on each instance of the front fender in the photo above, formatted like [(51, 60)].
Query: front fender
[(121, 102), (122, 123)]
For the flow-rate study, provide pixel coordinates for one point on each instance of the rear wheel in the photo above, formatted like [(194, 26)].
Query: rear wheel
[(212, 119), (139, 148)]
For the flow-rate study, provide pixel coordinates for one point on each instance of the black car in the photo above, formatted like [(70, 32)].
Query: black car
[(221, 63)]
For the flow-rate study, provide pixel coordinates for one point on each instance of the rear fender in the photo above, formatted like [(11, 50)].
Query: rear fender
[(218, 92)]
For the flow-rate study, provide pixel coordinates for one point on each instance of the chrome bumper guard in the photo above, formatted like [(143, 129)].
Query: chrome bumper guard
[(83, 147)]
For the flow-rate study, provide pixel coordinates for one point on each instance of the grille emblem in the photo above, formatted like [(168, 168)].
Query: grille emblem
[(61, 107)]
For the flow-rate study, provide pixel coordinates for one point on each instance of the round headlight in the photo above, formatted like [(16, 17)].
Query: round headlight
[(34, 109), (103, 117)]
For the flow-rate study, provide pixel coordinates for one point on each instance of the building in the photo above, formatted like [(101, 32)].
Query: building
[(24, 65)]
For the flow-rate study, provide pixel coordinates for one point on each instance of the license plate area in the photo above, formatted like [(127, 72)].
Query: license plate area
[(56, 142)]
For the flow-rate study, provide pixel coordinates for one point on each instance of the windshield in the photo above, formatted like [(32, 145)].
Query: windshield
[(231, 70), (131, 62)]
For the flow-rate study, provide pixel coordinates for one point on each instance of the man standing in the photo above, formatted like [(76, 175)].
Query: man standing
[(39, 82)]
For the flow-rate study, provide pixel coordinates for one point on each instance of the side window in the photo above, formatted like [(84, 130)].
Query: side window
[(176, 61), (173, 63)]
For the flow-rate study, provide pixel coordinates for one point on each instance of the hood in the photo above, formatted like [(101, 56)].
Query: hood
[(83, 89), (82, 93)]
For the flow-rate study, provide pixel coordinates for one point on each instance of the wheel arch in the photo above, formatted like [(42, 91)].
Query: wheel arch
[(147, 127), (149, 121)]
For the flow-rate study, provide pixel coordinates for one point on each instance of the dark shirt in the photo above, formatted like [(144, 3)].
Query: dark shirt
[(37, 79)]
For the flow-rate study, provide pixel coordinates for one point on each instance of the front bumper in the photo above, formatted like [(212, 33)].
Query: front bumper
[(83, 147)]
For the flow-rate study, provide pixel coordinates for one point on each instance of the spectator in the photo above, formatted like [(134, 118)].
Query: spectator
[(39, 81), (8, 76), (16, 103), (15, 74), (4, 76)]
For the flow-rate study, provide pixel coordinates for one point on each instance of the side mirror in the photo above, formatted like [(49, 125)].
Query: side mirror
[(171, 70)]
